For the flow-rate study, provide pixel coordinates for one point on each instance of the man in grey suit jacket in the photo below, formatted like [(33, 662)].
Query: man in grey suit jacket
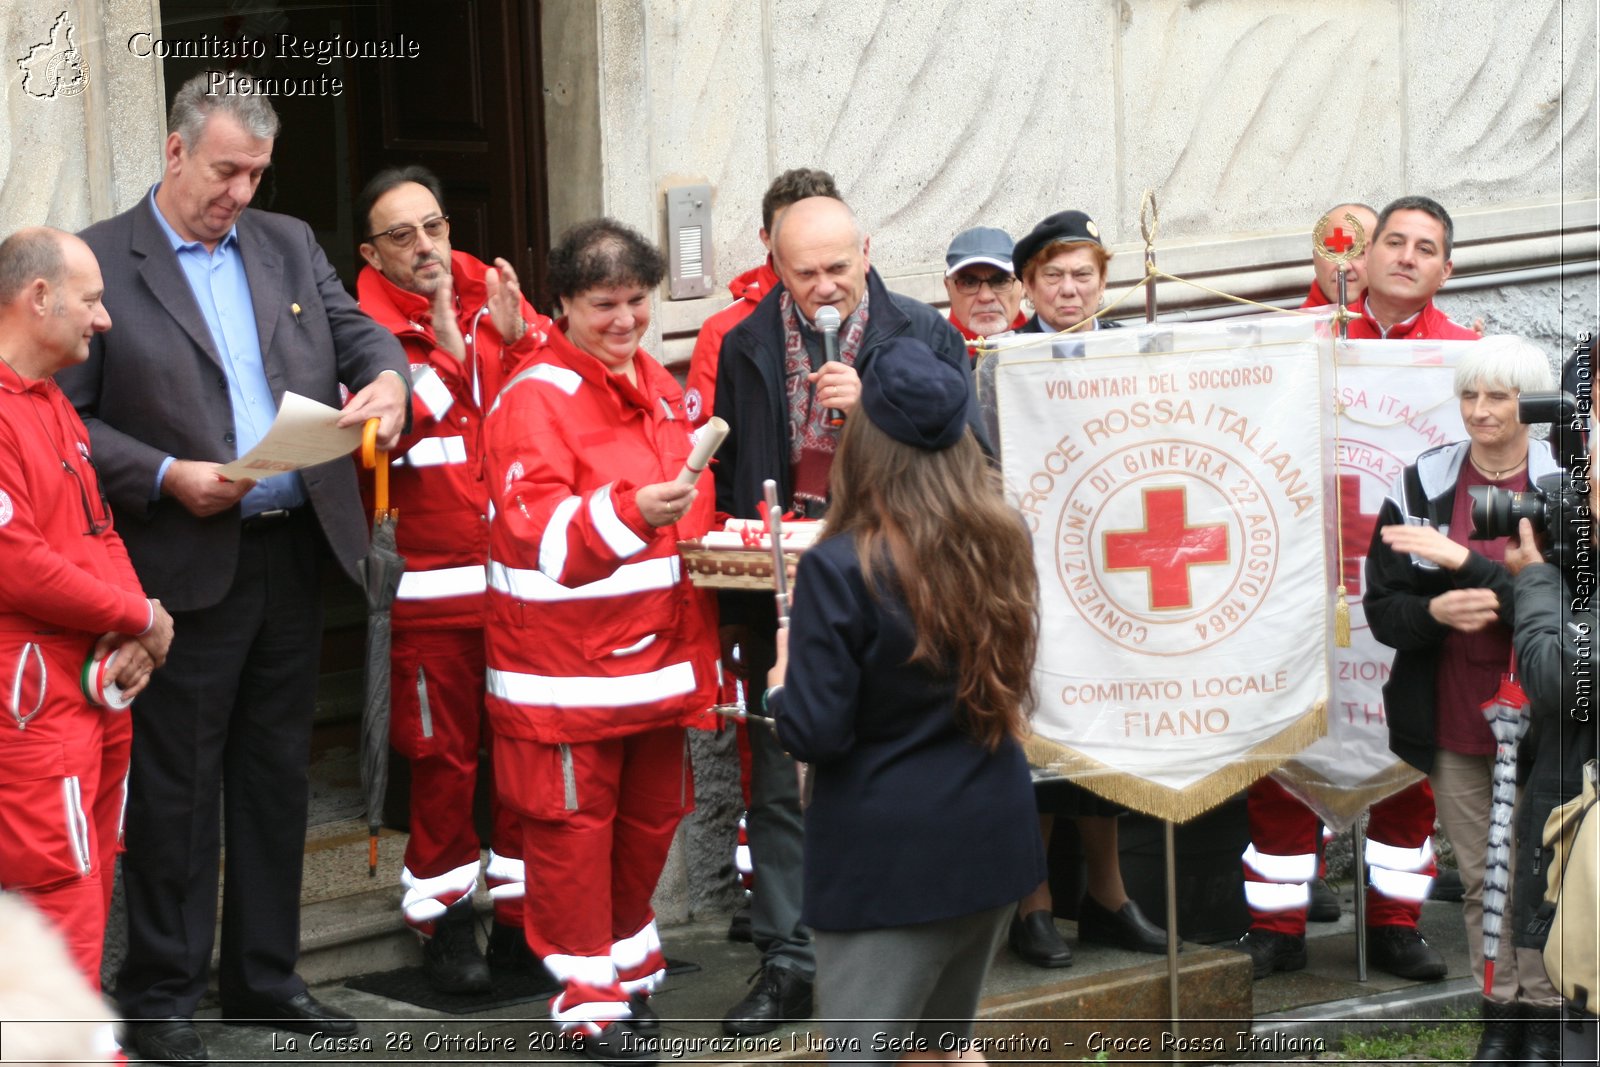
[(218, 312)]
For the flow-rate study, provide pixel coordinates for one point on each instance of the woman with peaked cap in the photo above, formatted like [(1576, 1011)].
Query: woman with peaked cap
[(905, 682), (1062, 263)]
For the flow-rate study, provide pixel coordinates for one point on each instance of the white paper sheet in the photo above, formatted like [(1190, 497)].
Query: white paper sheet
[(303, 435)]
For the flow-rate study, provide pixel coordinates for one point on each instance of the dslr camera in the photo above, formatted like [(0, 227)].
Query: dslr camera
[(1557, 505)]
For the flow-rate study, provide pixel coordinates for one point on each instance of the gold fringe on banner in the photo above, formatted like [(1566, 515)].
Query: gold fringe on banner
[(1180, 805), (1338, 805)]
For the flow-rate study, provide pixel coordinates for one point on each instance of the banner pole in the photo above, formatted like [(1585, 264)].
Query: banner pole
[(1172, 923), (1149, 221), (1358, 845)]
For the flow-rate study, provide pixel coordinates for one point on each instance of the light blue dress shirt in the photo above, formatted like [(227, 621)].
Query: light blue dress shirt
[(222, 290)]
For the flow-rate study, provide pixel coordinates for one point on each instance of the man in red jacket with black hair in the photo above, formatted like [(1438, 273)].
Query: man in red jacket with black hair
[(464, 326), (69, 593), (1281, 865), (1407, 262), (748, 288)]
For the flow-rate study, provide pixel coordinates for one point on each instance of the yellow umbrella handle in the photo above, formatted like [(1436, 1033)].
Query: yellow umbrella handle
[(377, 461)]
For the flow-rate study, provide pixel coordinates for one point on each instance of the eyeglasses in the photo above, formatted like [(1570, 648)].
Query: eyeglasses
[(406, 236), (97, 524), (967, 284)]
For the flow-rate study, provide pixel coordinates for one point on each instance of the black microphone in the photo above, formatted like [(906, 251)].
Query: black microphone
[(828, 323)]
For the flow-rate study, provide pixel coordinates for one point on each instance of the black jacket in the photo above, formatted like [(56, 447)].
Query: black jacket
[(750, 397), (1558, 665), (911, 820), (1398, 592), (1033, 325)]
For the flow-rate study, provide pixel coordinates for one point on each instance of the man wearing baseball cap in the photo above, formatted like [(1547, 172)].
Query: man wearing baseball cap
[(985, 296)]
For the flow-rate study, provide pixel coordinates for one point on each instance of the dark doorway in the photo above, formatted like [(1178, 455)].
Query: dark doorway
[(354, 99), (365, 85)]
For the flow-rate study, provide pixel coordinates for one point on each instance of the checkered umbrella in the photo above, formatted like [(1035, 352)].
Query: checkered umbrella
[(1507, 713)]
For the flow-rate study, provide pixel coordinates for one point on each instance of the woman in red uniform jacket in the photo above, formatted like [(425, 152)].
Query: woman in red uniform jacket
[(599, 650)]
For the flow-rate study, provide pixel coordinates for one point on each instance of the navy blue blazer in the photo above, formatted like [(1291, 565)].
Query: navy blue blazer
[(911, 820)]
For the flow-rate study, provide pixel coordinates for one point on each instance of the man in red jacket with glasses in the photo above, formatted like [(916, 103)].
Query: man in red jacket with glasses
[(464, 326)]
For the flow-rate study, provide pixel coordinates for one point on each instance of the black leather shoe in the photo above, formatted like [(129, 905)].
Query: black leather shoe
[(645, 1020), (300, 1014), (1126, 928), (1502, 1034), (1324, 906), (1036, 940), (509, 952), (781, 995), (1402, 952), (451, 958), (173, 1040), (1271, 951)]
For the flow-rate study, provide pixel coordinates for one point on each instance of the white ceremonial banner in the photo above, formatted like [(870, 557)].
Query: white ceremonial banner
[(1393, 401), (1173, 477)]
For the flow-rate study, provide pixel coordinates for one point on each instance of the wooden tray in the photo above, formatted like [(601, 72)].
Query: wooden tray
[(748, 569)]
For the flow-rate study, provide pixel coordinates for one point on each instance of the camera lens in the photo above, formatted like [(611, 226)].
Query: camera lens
[(1496, 511)]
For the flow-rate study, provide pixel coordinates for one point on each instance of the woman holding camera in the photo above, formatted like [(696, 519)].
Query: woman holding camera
[(905, 683), (1557, 626), (1443, 601)]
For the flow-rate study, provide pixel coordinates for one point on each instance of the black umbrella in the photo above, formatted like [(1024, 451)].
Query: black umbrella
[(380, 577)]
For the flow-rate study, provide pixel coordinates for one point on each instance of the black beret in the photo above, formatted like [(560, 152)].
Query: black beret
[(1062, 226), (914, 396)]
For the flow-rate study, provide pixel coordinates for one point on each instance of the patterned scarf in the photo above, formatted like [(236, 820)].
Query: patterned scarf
[(811, 439)]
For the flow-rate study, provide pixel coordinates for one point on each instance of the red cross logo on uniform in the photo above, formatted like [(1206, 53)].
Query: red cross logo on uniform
[(1355, 532), (1167, 547)]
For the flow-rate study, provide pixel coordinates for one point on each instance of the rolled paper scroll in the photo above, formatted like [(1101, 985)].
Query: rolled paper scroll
[(707, 440)]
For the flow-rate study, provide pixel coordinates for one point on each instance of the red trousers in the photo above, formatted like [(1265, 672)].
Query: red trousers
[(598, 818), (437, 721), (63, 780), (1282, 858)]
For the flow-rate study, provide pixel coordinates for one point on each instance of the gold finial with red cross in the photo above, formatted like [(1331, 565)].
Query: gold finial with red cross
[(1339, 246)]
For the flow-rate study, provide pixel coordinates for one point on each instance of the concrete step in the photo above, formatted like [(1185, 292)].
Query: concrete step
[(349, 921)]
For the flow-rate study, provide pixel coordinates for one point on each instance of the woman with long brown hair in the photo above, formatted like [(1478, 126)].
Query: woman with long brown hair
[(914, 628)]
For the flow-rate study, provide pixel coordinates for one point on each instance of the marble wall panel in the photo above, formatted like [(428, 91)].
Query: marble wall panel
[(1245, 116), (80, 137), (708, 100), (43, 151), (936, 116), (1497, 96), (627, 169)]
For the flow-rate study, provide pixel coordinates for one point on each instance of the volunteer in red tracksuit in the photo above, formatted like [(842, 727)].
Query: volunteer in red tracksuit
[(437, 302), (69, 590), (1406, 261), (700, 386), (599, 648)]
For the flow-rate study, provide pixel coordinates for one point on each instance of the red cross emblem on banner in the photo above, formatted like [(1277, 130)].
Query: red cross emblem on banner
[(1355, 532), (1167, 547)]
